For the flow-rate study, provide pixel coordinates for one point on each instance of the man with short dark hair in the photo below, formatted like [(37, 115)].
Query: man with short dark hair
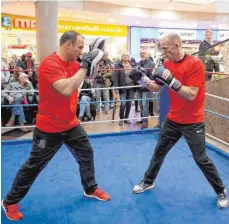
[(206, 56), (60, 76)]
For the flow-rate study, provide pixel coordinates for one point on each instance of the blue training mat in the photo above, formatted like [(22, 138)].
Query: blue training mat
[(181, 195)]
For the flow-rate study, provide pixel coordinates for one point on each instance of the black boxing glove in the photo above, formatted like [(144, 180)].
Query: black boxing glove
[(137, 74), (91, 60), (161, 76)]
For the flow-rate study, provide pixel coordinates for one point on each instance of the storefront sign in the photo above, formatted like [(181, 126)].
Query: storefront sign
[(184, 34), (6, 21), (93, 29), (29, 23), (18, 46), (223, 35), (24, 23)]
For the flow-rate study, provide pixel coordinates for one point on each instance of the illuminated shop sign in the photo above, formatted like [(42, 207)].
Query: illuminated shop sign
[(184, 34), (223, 35), (29, 23)]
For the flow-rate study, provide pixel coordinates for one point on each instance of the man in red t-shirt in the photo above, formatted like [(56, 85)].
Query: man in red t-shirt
[(185, 77), (60, 76)]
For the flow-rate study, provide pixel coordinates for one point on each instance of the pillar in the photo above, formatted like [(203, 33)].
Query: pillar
[(46, 28)]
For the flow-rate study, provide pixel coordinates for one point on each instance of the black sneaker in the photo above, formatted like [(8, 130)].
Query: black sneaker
[(139, 188), (120, 123), (222, 200)]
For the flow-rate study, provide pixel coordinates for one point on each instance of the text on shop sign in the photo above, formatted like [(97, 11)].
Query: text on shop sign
[(29, 23), (87, 28), (184, 34), (19, 23), (25, 23)]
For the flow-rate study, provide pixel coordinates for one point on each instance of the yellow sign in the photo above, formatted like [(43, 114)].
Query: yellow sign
[(93, 29), (29, 23)]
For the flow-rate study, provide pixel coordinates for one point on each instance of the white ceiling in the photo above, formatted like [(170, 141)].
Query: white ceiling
[(70, 14), (214, 6)]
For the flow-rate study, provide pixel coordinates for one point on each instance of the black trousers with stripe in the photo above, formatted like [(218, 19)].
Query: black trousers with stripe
[(45, 146), (194, 134)]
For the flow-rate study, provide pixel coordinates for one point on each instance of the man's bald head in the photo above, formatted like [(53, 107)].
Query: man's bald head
[(172, 38), (171, 46)]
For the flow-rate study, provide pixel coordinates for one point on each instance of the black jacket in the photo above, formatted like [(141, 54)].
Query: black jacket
[(86, 85), (205, 56), (23, 64), (118, 77), (146, 64), (34, 80)]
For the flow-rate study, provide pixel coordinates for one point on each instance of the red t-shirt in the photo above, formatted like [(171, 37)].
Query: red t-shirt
[(56, 113), (190, 72)]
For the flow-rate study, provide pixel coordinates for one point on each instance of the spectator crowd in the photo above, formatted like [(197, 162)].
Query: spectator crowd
[(19, 85)]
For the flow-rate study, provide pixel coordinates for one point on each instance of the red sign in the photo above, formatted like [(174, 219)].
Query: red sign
[(24, 23), (18, 47)]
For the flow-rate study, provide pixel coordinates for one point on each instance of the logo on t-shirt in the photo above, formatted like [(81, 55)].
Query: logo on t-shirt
[(166, 74)]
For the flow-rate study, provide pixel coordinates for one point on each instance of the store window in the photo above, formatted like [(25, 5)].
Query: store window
[(19, 35), (148, 38)]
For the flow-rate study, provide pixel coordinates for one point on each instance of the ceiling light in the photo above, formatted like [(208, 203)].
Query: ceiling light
[(214, 26), (223, 26), (138, 22), (170, 8), (128, 11), (166, 15), (111, 20), (138, 5), (174, 24)]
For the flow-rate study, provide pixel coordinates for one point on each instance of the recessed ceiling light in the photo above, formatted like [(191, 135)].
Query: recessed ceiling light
[(138, 5), (138, 22), (111, 20), (214, 26), (170, 8)]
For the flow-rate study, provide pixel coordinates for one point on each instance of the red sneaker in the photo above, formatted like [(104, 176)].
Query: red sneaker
[(98, 194), (12, 212)]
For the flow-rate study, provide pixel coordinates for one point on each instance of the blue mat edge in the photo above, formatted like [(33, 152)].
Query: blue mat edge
[(100, 135), (218, 151), (149, 130)]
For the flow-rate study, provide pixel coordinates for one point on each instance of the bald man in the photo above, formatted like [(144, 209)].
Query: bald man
[(185, 77)]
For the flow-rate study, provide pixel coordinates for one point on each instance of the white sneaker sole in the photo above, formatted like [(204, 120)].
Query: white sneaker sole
[(147, 188), (92, 196), (227, 205), (6, 213)]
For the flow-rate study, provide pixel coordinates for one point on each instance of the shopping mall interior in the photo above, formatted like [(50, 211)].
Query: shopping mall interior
[(112, 106)]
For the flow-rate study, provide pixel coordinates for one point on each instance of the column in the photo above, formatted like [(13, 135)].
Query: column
[(46, 28)]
